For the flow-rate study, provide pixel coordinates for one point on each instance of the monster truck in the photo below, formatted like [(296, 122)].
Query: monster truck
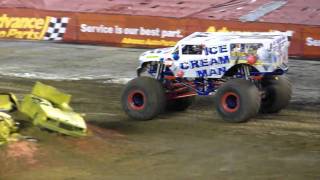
[(243, 70)]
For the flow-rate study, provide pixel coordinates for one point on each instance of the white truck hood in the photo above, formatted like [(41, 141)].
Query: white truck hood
[(155, 55)]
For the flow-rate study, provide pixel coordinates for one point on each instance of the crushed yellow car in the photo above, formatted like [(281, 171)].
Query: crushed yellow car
[(8, 102), (8, 128), (49, 108)]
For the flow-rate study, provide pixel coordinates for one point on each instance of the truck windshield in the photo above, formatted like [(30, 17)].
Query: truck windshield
[(191, 49)]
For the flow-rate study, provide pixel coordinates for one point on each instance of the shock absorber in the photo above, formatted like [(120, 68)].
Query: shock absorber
[(246, 72), (160, 68)]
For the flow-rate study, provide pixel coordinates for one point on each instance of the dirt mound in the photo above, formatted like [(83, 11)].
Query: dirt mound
[(22, 150)]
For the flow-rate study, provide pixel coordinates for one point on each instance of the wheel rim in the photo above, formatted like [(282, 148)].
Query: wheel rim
[(136, 100), (230, 102)]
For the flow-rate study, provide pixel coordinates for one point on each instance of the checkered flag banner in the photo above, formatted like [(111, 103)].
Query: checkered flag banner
[(56, 29)]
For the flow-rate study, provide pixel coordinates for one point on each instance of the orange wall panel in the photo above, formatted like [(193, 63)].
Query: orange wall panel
[(140, 31)]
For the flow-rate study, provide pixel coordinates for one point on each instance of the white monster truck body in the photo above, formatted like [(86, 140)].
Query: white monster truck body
[(242, 69), (211, 55)]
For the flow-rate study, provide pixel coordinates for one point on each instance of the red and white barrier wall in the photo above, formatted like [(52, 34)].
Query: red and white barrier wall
[(142, 31)]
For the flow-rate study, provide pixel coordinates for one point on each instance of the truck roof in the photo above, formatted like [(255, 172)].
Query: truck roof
[(232, 37)]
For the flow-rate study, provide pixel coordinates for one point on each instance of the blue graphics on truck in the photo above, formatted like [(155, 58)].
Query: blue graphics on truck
[(193, 64)]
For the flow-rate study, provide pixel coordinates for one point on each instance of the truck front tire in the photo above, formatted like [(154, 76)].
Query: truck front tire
[(237, 100), (143, 98)]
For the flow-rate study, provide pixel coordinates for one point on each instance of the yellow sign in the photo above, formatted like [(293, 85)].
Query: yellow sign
[(149, 42), (33, 28), (23, 27), (214, 29)]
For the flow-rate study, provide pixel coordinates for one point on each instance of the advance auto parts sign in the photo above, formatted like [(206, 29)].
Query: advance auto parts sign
[(130, 30), (48, 28), (142, 35)]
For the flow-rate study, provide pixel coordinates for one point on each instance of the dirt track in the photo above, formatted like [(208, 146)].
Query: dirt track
[(194, 144)]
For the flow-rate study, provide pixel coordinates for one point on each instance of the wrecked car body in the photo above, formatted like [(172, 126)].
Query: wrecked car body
[(49, 108), (46, 107)]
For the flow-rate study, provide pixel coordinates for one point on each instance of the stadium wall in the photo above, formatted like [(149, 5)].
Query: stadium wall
[(137, 31)]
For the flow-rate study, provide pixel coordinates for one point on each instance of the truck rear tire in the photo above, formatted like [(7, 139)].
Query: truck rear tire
[(277, 94), (237, 100), (143, 98)]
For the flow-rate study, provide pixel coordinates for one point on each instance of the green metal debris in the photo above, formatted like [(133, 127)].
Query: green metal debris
[(8, 128), (49, 108), (8, 102), (46, 107)]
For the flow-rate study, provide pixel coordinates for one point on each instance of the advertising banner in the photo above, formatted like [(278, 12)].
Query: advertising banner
[(32, 25), (130, 30), (311, 46), (141, 31)]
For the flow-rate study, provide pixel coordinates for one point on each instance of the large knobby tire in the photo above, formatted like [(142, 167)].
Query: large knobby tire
[(237, 100), (143, 98), (180, 104), (277, 94)]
